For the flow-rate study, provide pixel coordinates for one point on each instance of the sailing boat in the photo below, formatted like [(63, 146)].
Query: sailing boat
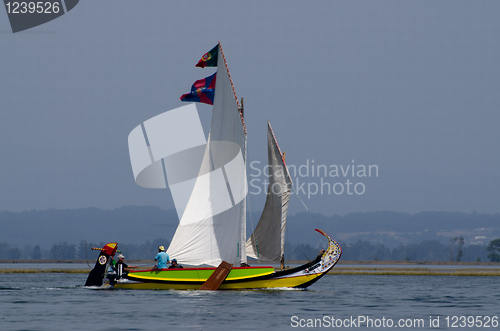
[(207, 179)]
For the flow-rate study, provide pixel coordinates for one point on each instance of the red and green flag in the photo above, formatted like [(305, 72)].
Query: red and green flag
[(209, 59)]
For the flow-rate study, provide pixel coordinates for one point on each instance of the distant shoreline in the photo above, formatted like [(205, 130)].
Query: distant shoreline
[(341, 262)]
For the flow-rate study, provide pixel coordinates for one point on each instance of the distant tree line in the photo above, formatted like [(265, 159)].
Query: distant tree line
[(494, 249), (82, 251), (427, 250)]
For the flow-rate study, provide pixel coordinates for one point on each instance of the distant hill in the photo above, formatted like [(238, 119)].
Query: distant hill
[(136, 225), (131, 224), (393, 228)]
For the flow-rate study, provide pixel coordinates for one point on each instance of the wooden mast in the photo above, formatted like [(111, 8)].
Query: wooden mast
[(282, 260)]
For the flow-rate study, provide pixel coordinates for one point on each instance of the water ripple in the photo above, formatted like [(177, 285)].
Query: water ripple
[(60, 302)]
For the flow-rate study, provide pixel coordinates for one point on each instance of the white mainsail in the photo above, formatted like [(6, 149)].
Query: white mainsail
[(207, 179), (267, 242), (212, 226)]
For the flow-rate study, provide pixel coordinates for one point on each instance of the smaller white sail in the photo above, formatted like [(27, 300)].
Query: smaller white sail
[(267, 242)]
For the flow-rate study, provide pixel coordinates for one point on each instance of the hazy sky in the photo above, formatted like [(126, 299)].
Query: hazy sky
[(409, 86)]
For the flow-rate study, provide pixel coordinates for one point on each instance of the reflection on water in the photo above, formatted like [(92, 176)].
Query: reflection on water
[(60, 302)]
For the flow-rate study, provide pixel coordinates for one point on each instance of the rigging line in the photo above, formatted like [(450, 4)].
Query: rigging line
[(86, 255), (297, 194)]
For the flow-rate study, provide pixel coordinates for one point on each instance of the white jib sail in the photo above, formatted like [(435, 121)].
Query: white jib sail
[(267, 242), (211, 229)]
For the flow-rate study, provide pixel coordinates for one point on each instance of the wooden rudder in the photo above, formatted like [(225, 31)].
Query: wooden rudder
[(213, 282)]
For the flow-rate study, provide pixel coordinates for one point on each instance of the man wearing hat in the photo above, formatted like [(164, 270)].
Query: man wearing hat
[(175, 265), (162, 258), (122, 267)]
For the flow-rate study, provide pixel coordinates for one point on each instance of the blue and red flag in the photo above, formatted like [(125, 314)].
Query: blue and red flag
[(203, 90)]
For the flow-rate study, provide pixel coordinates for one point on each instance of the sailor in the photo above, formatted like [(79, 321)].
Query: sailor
[(175, 265), (162, 258), (122, 267)]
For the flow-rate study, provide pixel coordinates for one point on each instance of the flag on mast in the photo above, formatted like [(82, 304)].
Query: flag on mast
[(203, 90), (209, 59)]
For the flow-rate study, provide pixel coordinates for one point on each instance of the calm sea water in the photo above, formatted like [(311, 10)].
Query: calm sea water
[(60, 302)]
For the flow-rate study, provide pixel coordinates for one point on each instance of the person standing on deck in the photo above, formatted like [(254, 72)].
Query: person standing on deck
[(162, 258)]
